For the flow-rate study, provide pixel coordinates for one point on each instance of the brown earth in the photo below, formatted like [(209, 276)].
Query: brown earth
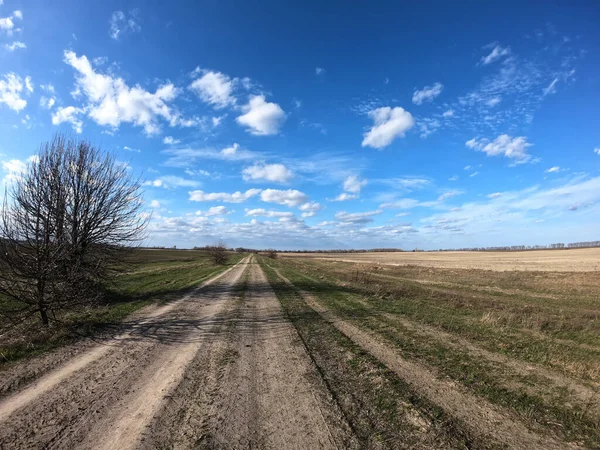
[(213, 369)]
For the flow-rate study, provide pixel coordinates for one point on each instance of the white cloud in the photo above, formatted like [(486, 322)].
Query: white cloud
[(353, 184), (514, 148), (236, 197), (389, 123), (217, 211), (171, 181), (214, 88), (474, 174), (496, 53), (320, 71), (155, 204), (268, 213), (289, 197), (8, 25), (427, 94), (111, 101), (170, 140), (269, 172), (15, 46), (493, 101), (309, 209), (356, 218), (261, 118), (13, 168), (554, 169), (495, 195), (344, 196), (231, 151), (11, 88), (68, 114), (47, 102), (453, 178), (129, 149), (448, 113), (551, 89), (597, 150), (120, 23), (408, 183), (470, 144), (403, 203), (449, 194)]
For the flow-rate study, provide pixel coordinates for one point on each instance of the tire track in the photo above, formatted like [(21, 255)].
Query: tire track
[(271, 396), (114, 390), (478, 415)]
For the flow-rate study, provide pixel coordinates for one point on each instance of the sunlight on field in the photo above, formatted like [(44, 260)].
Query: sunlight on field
[(572, 260)]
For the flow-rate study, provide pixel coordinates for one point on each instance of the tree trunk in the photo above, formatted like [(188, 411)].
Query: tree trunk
[(44, 316)]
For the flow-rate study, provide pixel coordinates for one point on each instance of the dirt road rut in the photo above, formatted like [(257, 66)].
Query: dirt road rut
[(222, 367)]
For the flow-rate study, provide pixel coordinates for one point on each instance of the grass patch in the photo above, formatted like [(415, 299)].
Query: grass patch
[(381, 408), (148, 276), (554, 410)]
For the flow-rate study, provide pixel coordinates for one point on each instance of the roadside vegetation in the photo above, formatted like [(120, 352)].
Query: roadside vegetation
[(524, 342), (146, 277), (69, 227)]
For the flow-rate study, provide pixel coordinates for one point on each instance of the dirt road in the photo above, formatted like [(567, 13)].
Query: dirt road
[(220, 367)]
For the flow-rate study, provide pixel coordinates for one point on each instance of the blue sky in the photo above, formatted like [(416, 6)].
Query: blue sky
[(312, 125)]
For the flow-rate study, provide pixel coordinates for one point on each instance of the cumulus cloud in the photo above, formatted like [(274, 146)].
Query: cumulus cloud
[(496, 53), (121, 23), (514, 148), (597, 150), (15, 46), (389, 123), (269, 172), (47, 102), (11, 89), (320, 71), (236, 197), (214, 88), (289, 197), (427, 94), (354, 184), (260, 117), (111, 101), (448, 113), (554, 169), (217, 211), (7, 24), (68, 114), (309, 209), (232, 151), (356, 218)]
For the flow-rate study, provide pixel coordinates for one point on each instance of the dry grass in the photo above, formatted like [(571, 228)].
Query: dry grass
[(572, 260)]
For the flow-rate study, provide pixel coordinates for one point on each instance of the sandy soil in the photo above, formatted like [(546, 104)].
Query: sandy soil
[(106, 396), (571, 260), (210, 369)]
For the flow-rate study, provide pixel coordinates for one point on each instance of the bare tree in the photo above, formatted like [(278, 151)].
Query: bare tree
[(65, 223), (271, 253), (218, 253)]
